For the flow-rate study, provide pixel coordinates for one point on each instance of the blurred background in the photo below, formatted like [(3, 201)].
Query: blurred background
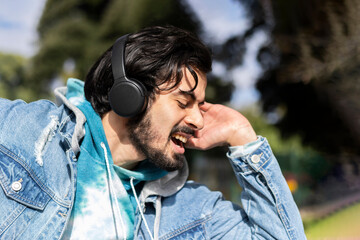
[(291, 67)]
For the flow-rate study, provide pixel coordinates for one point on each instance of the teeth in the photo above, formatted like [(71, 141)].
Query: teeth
[(181, 138)]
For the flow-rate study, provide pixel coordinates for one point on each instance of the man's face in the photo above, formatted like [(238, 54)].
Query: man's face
[(172, 118)]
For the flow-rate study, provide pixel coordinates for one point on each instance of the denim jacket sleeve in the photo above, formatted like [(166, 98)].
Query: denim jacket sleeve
[(268, 209)]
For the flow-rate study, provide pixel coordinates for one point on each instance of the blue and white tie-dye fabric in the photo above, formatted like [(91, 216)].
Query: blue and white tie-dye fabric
[(104, 207)]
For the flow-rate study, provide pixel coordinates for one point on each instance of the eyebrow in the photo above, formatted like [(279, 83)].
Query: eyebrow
[(188, 94)]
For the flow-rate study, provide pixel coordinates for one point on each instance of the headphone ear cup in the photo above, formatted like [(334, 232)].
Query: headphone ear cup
[(128, 98)]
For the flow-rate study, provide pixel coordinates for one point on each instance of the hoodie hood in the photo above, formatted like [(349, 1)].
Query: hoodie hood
[(165, 186), (79, 131)]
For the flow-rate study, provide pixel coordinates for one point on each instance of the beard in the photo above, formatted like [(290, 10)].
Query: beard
[(142, 134)]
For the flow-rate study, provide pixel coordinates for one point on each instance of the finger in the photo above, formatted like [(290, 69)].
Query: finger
[(197, 134), (206, 106), (195, 143)]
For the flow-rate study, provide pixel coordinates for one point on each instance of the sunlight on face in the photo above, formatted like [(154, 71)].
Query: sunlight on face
[(172, 118)]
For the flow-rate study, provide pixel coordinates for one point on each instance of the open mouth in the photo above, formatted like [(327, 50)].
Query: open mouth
[(179, 140)]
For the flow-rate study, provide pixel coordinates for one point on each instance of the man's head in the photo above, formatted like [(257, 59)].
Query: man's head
[(154, 56), (172, 65), (174, 117)]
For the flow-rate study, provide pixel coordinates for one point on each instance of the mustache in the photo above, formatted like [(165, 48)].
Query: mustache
[(183, 129)]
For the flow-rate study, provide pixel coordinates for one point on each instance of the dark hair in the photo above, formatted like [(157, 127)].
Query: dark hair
[(153, 56)]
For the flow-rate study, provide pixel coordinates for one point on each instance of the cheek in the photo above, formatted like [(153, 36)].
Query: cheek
[(164, 119)]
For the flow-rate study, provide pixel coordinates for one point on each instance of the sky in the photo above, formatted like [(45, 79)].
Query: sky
[(221, 19), (18, 20)]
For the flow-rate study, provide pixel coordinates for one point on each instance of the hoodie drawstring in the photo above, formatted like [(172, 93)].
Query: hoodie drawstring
[(140, 208), (157, 217), (113, 197)]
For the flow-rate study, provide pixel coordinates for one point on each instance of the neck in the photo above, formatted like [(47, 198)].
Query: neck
[(124, 154)]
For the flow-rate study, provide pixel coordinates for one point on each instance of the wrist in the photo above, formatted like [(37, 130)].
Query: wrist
[(242, 136)]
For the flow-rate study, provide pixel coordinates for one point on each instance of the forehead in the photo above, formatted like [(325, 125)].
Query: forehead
[(186, 87), (188, 83)]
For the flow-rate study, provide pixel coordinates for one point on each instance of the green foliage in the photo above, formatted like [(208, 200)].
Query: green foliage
[(81, 30), (316, 72), (218, 90), (12, 76), (10, 68)]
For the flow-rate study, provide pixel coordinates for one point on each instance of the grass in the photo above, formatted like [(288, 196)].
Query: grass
[(344, 224)]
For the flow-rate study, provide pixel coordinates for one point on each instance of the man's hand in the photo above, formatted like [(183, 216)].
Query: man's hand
[(222, 126)]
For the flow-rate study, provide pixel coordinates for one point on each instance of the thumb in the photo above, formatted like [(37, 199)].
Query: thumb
[(195, 143), (206, 106)]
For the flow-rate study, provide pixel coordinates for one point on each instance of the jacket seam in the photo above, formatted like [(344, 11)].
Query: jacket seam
[(279, 206), (49, 220), (14, 218), (10, 154), (186, 227)]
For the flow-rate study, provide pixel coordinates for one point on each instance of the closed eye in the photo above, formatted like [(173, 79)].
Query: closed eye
[(182, 105)]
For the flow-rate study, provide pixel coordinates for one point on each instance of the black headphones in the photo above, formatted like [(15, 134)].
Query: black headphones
[(127, 97)]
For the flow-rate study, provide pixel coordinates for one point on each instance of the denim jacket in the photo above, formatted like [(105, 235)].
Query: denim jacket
[(39, 144)]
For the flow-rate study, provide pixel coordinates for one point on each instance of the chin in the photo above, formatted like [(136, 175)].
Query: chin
[(174, 163)]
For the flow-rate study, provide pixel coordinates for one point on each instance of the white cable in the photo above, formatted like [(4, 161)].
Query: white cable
[(113, 194), (138, 203)]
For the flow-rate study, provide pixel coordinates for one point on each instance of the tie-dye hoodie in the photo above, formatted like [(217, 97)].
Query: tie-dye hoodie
[(105, 200)]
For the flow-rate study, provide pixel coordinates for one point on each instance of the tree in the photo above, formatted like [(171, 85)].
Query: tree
[(79, 31), (312, 70), (309, 88), (12, 76)]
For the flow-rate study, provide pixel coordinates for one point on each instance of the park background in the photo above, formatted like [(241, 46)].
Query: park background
[(291, 67)]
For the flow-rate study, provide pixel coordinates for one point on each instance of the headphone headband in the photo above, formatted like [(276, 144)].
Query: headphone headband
[(118, 58)]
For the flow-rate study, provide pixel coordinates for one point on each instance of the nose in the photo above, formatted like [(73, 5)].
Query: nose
[(194, 118)]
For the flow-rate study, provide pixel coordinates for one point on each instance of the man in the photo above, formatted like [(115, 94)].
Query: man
[(108, 162)]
